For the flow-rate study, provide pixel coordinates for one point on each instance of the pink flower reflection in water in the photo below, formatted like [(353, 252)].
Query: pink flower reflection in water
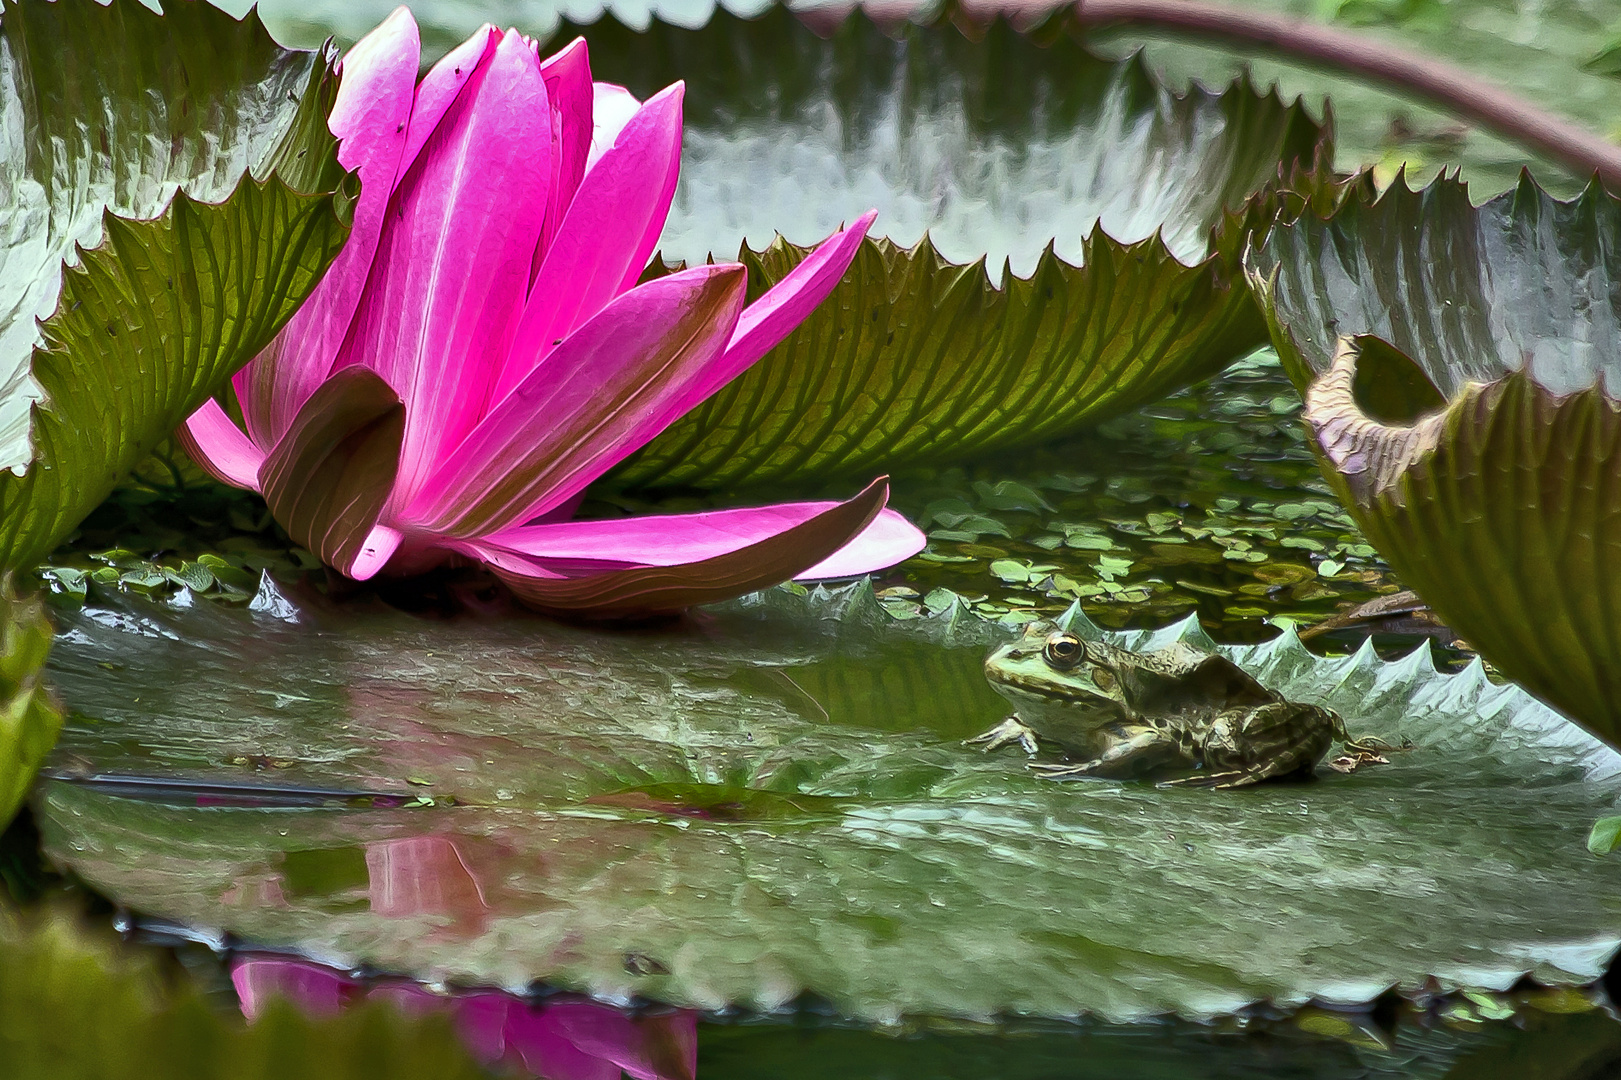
[(558, 1039)]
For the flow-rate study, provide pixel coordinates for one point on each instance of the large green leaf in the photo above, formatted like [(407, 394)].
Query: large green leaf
[(73, 1005), (1025, 157), (1477, 439), (774, 800), (167, 204)]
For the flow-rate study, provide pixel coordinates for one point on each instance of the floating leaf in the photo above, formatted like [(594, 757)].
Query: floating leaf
[(159, 228), (1040, 156), (775, 801), (1477, 437)]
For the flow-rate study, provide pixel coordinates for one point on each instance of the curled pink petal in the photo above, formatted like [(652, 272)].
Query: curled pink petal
[(651, 590), (578, 547), (369, 118), (220, 448)]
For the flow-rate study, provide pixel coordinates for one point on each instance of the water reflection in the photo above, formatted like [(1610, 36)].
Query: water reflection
[(557, 1039)]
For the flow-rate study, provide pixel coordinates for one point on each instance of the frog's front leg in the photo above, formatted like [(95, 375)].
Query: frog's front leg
[(1009, 731), (1137, 750)]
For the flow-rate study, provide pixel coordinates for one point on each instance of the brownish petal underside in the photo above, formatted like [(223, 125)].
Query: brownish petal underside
[(328, 478), (662, 590)]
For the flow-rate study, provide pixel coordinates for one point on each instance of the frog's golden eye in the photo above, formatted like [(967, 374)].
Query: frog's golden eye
[(1064, 651)]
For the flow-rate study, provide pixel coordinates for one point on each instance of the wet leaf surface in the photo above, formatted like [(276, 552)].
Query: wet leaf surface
[(767, 801)]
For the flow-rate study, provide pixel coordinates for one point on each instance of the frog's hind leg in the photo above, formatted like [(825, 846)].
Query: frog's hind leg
[(1009, 731)]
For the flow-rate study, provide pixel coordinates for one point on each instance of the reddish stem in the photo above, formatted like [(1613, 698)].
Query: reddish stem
[(1452, 88)]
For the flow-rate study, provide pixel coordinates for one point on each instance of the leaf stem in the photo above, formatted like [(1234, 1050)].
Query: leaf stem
[(1452, 88)]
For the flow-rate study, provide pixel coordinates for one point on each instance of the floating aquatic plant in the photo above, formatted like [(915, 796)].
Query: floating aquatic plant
[(481, 350), (1475, 434)]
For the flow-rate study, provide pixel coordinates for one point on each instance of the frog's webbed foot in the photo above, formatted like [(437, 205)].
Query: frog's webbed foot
[(1367, 750), (1009, 731)]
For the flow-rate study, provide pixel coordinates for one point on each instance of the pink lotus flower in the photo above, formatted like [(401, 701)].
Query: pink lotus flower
[(480, 351)]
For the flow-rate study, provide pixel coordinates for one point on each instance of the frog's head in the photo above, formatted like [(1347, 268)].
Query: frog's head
[(1050, 665)]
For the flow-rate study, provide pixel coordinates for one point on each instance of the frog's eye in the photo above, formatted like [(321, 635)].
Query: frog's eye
[(1064, 651)]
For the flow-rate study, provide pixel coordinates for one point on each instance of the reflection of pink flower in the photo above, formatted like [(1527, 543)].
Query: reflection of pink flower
[(560, 1039), (424, 875), (480, 351)]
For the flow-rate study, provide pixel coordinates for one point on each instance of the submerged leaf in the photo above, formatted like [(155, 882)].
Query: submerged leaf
[(1476, 435), (161, 232), (773, 799), (1118, 207)]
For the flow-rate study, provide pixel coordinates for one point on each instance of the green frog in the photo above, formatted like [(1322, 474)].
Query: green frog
[(1177, 715)]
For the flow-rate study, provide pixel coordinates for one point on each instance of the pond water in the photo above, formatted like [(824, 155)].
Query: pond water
[(751, 843)]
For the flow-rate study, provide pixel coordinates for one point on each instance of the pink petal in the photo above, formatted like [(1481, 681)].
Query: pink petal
[(453, 263), (888, 540), (579, 547), (441, 85), (612, 107), (606, 237), (568, 87), (220, 448), (369, 118), (653, 590), (604, 392), (379, 546), (786, 304)]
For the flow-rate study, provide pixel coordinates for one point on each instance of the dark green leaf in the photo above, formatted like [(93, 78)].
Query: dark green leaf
[(179, 162), (1031, 157)]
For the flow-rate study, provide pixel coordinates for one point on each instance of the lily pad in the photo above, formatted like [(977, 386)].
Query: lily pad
[(1476, 437), (772, 800), (169, 202), (1111, 210)]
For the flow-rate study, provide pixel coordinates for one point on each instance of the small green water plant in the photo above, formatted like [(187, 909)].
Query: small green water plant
[(483, 350), (169, 203), (1463, 391)]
